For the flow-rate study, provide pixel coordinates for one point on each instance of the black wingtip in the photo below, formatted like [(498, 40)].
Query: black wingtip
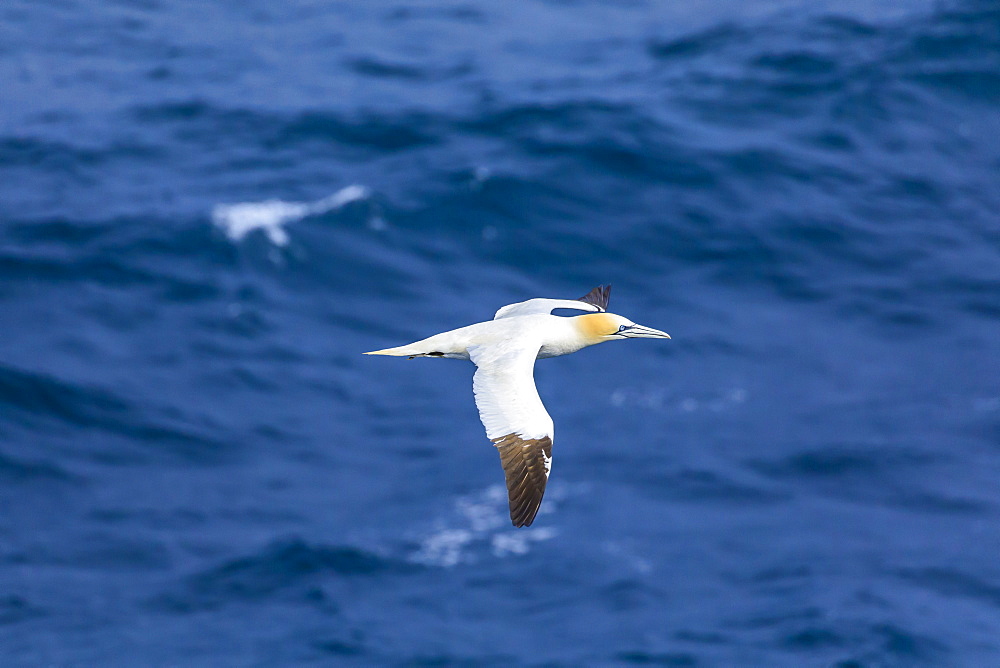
[(599, 297), (525, 466)]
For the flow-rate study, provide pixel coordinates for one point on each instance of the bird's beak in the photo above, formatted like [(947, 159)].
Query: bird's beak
[(642, 332)]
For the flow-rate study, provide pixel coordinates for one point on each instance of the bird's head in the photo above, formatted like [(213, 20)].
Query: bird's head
[(600, 327)]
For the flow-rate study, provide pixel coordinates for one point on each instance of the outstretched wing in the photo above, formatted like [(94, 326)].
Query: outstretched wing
[(595, 301), (516, 422)]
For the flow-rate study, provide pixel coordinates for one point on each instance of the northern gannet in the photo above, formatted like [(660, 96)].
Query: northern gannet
[(504, 351)]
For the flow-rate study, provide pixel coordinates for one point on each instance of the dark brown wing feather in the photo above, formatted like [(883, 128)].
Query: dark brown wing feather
[(524, 466), (598, 297)]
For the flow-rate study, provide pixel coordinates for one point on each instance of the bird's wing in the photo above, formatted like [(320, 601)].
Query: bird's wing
[(516, 422), (599, 297), (595, 301), (543, 306)]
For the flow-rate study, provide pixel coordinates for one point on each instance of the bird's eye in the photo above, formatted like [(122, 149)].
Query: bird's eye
[(623, 328)]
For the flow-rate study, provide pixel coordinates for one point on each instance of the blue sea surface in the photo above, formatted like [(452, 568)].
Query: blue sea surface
[(209, 210)]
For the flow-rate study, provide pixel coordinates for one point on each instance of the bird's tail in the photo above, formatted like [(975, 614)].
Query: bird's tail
[(400, 351), (439, 345)]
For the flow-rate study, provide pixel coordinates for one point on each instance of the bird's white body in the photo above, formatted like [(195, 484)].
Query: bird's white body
[(504, 351), (548, 335)]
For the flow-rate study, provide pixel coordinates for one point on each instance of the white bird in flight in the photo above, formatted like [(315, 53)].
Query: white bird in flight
[(504, 351)]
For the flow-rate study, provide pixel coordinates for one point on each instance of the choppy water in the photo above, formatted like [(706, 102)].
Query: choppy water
[(208, 210)]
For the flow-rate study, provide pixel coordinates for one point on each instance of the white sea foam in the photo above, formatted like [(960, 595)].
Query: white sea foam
[(986, 404), (270, 216), (659, 399), (480, 524)]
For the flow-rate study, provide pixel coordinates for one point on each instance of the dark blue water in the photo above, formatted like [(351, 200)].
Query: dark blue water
[(209, 210)]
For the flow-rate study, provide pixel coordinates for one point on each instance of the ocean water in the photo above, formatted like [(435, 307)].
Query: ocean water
[(209, 210)]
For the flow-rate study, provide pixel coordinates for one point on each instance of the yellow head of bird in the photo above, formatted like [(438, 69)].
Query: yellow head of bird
[(598, 327)]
